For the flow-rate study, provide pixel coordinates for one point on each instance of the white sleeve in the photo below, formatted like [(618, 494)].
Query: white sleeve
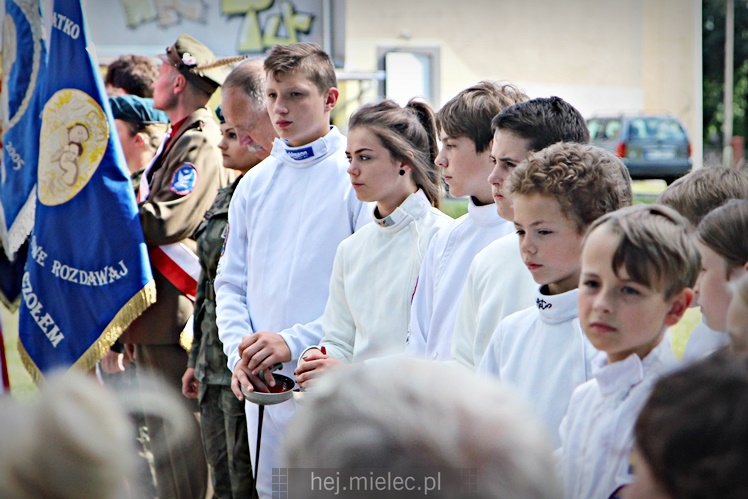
[(422, 306), (232, 309), (301, 336), (491, 362), (463, 338), (337, 322)]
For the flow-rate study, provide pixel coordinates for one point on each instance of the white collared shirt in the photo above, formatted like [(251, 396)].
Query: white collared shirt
[(542, 352), (443, 275), (597, 432), (373, 280), (498, 284)]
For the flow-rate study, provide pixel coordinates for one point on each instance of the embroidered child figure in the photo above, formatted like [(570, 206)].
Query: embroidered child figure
[(67, 156)]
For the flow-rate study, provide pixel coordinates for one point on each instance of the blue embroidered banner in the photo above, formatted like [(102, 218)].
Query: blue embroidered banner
[(87, 275), (24, 58)]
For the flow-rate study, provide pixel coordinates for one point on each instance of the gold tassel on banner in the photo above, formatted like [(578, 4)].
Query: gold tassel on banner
[(127, 314)]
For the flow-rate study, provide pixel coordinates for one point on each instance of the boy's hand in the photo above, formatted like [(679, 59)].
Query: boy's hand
[(312, 365), (251, 383), (260, 352)]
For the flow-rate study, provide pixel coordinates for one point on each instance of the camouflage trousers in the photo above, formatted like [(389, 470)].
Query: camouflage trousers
[(224, 430)]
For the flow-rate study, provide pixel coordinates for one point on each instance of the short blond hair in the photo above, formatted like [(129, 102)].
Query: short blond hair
[(703, 190)]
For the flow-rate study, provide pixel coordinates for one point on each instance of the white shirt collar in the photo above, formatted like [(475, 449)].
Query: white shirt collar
[(618, 378), (308, 154), (484, 215), (408, 210), (554, 309)]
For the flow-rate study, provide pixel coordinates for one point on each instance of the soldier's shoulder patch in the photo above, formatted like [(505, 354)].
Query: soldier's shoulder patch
[(184, 179)]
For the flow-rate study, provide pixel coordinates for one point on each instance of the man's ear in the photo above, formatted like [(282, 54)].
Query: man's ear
[(180, 84), (678, 307), (331, 98)]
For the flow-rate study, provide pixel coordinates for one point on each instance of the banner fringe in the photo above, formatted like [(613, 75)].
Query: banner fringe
[(127, 314), (30, 365), (21, 228), (12, 306)]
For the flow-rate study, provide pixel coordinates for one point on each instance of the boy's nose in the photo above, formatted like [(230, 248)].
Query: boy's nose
[(279, 107), (493, 177), (601, 302), (527, 245), (441, 160)]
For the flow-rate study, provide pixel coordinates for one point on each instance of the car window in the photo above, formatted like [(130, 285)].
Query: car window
[(656, 128), (604, 129), (612, 129), (594, 126)]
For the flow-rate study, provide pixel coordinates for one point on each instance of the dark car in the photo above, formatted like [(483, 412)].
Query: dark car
[(650, 146)]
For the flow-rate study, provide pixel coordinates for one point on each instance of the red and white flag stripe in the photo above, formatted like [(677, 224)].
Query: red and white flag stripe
[(179, 265)]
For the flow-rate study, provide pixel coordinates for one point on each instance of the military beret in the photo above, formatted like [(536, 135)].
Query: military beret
[(196, 62), (136, 109)]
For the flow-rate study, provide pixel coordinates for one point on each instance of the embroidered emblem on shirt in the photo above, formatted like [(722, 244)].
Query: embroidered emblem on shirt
[(184, 180), (225, 237), (542, 304), (300, 154)]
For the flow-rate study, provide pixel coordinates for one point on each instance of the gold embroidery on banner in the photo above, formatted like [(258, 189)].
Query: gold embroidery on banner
[(127, 314), (73, 141)]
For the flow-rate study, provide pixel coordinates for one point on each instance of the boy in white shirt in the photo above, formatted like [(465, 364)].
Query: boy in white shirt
[(464, 125), (694, 196), (638, 267), (557, 193), (286, 218), (498, 283)]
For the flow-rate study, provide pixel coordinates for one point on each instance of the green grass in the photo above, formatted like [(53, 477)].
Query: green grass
[(681, 332), (645, 191)]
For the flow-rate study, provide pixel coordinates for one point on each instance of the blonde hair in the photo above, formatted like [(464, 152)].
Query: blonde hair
[(704, 190), (154, 132)]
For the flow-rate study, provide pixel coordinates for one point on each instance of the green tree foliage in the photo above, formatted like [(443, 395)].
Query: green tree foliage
[(713, 31)]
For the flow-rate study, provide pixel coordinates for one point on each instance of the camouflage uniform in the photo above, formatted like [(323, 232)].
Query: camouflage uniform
[(222, 417), (135, 181)]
